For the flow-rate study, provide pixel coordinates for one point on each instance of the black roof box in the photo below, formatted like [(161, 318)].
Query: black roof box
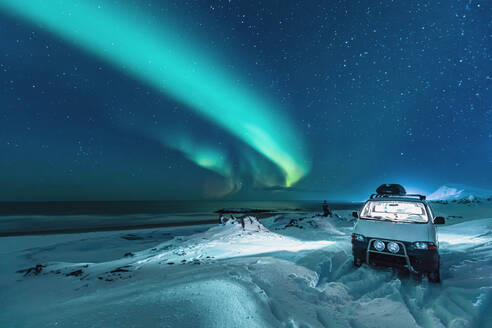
[(391, 189)]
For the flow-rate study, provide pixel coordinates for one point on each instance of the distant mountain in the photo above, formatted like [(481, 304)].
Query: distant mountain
[(453, 192)]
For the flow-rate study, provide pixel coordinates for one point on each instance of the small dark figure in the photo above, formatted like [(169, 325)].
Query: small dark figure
[(326, 210)]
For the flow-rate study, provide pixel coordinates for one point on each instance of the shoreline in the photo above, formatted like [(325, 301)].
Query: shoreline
[(107, 228), (259, 216)]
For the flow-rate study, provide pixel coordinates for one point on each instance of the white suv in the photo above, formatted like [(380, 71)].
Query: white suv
[(396, 229)]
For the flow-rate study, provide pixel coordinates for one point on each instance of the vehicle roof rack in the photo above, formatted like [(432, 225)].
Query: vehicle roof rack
[(421, 197)]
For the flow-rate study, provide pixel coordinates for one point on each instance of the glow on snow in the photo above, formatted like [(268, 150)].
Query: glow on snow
[(174, 66)]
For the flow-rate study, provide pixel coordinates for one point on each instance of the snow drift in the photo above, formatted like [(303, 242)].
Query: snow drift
[(287, 271)]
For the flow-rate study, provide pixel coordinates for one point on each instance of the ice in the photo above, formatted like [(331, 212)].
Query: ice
[(290, 270)]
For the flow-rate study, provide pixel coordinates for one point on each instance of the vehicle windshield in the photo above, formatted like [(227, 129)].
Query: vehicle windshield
[(396, 211)]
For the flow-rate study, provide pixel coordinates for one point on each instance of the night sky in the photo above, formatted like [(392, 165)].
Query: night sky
[(155, 100)]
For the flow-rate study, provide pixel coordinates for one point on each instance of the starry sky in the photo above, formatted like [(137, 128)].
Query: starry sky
[(253, 100)]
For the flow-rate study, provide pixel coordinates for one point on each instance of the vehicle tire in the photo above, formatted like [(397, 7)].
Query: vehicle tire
[(417, 276), (357, 262), (434, 276)]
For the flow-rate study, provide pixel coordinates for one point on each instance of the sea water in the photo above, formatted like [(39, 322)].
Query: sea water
[(17, 218)]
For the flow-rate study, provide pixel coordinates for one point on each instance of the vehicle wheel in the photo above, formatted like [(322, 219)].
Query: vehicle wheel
[(357, 262), (434, 276), (418, 276)]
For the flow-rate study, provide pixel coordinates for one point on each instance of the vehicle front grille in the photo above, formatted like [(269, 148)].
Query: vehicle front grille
[(386, 259)]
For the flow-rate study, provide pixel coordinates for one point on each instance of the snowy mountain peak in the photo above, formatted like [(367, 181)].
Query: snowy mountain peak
[(459, 192)]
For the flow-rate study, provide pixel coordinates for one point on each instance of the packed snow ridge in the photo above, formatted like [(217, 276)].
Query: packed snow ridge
[(235, 237)]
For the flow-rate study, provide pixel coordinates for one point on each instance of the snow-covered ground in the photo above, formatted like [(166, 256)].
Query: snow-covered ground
[(290, 270)]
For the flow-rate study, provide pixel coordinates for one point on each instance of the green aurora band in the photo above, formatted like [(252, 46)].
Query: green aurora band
[(209, 157), (178, 68)]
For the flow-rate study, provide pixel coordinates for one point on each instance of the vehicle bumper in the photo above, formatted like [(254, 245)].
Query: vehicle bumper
[(415, 260), (359, 250)]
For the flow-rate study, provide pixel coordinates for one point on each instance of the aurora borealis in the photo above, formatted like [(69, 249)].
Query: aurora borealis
[(174, 66), (169, 99)]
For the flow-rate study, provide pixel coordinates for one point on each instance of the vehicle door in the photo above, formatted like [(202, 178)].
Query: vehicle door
[(433, 233)]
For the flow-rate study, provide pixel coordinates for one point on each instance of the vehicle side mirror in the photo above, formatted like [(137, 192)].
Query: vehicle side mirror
[(355, 215), (439, 220)]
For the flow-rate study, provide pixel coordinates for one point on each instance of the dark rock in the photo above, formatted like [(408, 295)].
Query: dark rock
[(75, 273), (120, 269), (35, 270), (313, 224), (293, 223), (242, 211), (131, 236), (129, 254)]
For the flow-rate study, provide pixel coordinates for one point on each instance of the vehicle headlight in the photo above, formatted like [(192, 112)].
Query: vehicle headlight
[(393, 247), (358, 237), (420, 245), (379, 245)]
